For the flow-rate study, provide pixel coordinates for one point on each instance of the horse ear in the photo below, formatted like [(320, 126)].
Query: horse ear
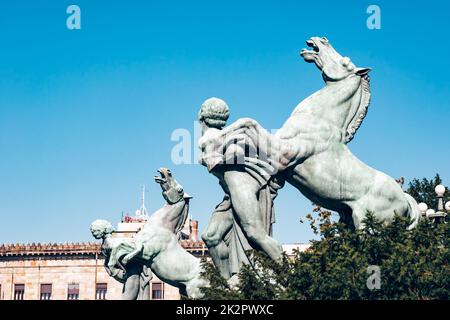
[(362, 71)]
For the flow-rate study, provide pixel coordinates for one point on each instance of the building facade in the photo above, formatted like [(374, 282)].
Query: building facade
[(75, 271), (72, 271)]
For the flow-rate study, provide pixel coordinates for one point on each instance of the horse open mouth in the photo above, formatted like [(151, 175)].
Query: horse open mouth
[(164, 174), (311, 55), (310, 43)]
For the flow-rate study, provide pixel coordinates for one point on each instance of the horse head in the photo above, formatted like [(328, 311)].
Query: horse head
[(172, 191), (334, 67), (176, 212)]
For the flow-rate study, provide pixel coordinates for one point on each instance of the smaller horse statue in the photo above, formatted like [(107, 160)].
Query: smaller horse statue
[(156, 245)]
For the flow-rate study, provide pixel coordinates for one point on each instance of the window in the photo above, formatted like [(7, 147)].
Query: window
[(46, 291), (100, 291), (73, 291), (19, 290), (157, 291)]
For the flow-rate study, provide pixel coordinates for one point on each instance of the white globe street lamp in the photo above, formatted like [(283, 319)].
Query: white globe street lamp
[(423, 207), (442, 211), (440, 190)]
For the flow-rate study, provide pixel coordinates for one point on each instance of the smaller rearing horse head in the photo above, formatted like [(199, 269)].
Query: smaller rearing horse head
[(334, 67), (172, 191), (176, 210)]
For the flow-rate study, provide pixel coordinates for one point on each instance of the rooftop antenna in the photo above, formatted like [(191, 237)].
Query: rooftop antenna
[(142, 212)]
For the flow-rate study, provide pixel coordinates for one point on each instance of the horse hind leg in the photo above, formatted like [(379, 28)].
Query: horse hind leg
[(193, 287), (130, 290), (414, 211), (183, 291), (356, 218), (346, 217), (383, 209)]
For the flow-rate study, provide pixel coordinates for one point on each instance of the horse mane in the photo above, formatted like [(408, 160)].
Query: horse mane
[(361, 112), (183, 217)]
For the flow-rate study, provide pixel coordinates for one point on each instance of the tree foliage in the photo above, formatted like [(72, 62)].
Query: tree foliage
[(423, 191), (414, 264)]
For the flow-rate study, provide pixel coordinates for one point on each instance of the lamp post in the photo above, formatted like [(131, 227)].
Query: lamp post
[(442, 211), (440, 190)]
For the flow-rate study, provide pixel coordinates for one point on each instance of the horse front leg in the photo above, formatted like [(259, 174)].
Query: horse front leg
[(132, 254), (116, 253)]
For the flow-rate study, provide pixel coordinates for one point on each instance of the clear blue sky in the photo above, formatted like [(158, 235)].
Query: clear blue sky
[(86, 116)]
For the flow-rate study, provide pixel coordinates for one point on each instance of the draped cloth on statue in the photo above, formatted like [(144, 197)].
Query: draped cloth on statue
[(239, 153), (235, 239)]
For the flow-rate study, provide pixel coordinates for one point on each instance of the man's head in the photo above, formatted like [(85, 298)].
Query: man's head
[(100, 228), (214, 113)]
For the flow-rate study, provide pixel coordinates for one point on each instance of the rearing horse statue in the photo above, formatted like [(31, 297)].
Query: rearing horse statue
[(310, 150), (156, 245)]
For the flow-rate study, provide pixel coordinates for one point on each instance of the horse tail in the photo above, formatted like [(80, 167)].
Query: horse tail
[(414, 211)]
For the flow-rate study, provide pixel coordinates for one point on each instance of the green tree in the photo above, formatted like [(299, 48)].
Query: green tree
[(414, 264), (423, 191)]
